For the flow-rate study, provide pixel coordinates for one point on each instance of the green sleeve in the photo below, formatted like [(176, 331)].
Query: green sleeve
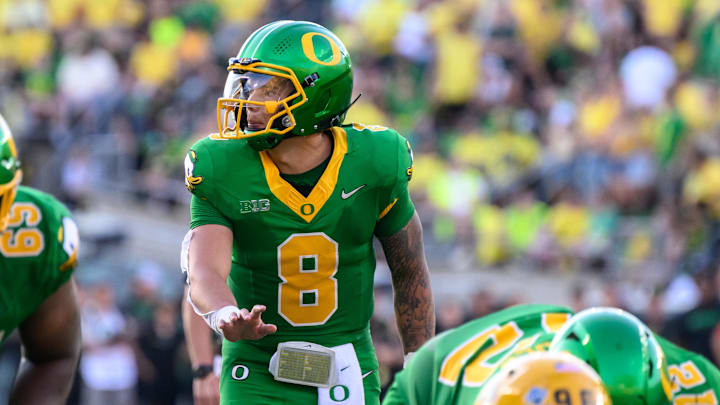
[(203, 212), (62, 244), (199, 172), (399, 208)]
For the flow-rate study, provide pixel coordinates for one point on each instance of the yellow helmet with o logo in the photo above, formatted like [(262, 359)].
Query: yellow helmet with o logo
[(544, 378)]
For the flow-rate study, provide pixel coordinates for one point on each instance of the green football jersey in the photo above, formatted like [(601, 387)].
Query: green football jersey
[(439, 372), (38, 251), (695, 380), (453, 367), (309, 260)]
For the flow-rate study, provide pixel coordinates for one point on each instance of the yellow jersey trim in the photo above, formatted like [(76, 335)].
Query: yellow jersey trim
[(70, 262), (387, 209), (307, 207)]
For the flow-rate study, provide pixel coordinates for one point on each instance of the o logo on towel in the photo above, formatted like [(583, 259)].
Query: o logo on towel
[(244, 374), (345, 393)]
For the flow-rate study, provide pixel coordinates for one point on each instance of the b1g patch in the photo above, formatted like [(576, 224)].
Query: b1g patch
[(190, 179), (409, 170)]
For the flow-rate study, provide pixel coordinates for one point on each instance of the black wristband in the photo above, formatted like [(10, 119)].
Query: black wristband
[(202, 371)]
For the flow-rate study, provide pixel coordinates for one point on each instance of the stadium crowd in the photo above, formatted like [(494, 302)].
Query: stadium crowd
[(570, 136)]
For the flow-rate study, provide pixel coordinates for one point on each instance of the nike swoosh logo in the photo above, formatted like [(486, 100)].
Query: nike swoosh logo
[(345, 195), (343, 369), (368, 373)]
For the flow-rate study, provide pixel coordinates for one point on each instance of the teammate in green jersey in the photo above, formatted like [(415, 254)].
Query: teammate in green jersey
[(636, 366), (285, 204), (38, 248)]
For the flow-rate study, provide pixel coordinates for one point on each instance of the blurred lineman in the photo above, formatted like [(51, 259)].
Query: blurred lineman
[(285, 204), (38, 248), (544, 377), (636, 366)]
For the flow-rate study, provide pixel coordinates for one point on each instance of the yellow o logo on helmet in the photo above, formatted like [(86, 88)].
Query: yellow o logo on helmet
[(309, 49)]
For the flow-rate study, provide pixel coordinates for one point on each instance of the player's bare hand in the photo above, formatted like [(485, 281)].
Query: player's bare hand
[(206, 390), (246, 325)]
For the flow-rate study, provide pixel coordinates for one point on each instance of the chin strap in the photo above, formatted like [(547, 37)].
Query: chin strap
[(334, 121)]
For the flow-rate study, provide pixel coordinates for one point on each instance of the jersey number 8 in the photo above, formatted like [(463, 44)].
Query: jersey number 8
[(307, 262)]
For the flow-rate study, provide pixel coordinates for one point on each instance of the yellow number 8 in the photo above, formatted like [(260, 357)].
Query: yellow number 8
[(308, 293)]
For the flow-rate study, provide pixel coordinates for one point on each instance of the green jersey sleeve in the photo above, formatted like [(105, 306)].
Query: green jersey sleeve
[(203, 212), (694, 379), (63, 243), (199, 171), (399, 208)]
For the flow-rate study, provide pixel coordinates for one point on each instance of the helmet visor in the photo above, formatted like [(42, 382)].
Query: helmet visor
[(254, 102)]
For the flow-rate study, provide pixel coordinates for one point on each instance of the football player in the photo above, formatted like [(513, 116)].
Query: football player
[(544, 378), (286, 202), (635, 366), (38, 249)]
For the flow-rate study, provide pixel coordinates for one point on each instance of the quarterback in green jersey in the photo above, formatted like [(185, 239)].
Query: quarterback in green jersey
[(38, 248), (285, 204), (636, 366)]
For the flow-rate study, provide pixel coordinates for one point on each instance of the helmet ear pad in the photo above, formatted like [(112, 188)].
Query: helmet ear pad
[(327, 104)]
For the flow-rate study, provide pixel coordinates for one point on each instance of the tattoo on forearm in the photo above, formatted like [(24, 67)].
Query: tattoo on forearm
[(414, 309)]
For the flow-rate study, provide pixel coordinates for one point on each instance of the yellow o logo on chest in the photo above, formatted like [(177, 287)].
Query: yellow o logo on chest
[(309, 49)]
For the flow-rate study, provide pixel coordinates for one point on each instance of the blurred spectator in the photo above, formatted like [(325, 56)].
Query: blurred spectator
[(457, 68), (481, 304), (694, 329), (107, 366), (647, 73), (578, 302), (654, 316), (144, 294), (86, 73), (159, 345), (450, 315)]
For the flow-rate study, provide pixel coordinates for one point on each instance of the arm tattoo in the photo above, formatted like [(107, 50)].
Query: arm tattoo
[(414, 309)]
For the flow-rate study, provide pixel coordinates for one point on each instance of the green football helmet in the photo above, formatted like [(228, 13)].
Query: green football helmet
[(622, 350), (290, 78), (10, 173)]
